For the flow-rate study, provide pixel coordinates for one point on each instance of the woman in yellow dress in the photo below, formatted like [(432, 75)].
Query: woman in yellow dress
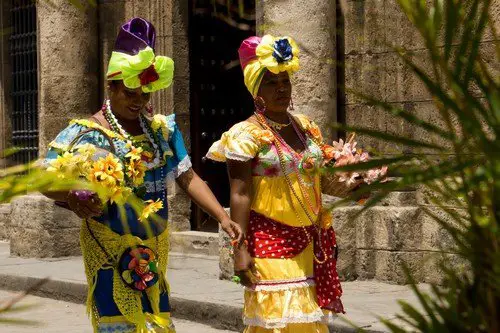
[(288, 261)]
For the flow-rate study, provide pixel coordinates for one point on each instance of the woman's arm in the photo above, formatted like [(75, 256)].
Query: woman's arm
[(201, 194), (240, 178)]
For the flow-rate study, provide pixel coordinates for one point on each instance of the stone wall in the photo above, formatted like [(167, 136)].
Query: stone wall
[(170, 19), (395, 233), (313, 27), (68, 66), (40, 229), (68, 71), (372, 28)]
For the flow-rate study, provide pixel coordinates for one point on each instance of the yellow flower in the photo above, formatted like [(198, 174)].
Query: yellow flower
[(65, 165), (119, 194), (151, 208), (159, 122), (134, 153), (113, 167), (136, 171), (87, 150), (107, 171)]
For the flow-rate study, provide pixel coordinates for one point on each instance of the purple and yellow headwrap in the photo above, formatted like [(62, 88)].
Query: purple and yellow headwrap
[(134, 61), (275, 54)]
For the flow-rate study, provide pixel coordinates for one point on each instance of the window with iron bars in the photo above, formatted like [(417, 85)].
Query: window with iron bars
[(24, 87)]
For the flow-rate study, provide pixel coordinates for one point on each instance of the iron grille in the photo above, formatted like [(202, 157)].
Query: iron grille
[(23, 54)]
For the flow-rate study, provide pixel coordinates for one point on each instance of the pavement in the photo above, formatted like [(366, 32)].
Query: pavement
[(196, 292), (55, 316)]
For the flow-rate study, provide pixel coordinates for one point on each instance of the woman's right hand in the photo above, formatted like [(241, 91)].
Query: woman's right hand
[(244, 267), (84, 203)]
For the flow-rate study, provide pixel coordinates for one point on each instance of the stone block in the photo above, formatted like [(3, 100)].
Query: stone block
[(45, 243), (195, 242), (354, 24), (353, 75), (433, 261), (41, 229), (435, 237), (5, 213), (390, 228), (399, 30), (388, 265), (374, 26), (400, 199), (179, 206)]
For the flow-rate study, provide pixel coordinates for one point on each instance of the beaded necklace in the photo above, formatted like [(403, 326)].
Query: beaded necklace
[(115, 126), (279, 148), (147, 130)]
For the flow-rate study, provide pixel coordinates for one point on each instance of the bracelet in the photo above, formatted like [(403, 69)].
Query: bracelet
[(235, 243)]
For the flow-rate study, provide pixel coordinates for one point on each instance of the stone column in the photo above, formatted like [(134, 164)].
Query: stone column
[(68, 61), (312, 25), (170, 19), (68, 88)]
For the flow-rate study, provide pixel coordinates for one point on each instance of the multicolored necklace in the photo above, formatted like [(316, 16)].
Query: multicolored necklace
[(116, 127), (279, 149), (277, 126)]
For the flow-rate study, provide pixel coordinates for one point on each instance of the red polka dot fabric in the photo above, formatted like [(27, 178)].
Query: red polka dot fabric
[(273, 240)]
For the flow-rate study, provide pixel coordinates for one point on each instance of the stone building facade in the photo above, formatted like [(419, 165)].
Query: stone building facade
[(343, 42)]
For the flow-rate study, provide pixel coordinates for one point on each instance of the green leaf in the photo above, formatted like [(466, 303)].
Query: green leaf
[(390, 137)]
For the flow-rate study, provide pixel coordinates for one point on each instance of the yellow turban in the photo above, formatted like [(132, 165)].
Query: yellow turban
[(275, 54)]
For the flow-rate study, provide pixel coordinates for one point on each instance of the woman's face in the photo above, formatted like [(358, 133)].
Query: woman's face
[(127, 103), (276, 91)]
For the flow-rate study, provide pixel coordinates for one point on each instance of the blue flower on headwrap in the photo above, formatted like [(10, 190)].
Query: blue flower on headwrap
[(282, 50)]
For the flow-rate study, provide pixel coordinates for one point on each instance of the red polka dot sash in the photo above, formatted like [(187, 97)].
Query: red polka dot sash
[(270, 239)]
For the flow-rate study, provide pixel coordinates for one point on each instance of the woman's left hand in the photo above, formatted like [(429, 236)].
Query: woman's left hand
[(233, 229)]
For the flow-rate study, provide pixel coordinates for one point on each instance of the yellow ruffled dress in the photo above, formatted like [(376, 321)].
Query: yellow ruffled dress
[(285, 299)]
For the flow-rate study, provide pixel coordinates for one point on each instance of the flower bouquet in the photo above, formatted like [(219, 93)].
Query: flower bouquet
[(341, 153), (112, 178)]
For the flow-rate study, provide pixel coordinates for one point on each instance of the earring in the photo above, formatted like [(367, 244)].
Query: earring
[(260, 104), (292, 108), (149, 109)]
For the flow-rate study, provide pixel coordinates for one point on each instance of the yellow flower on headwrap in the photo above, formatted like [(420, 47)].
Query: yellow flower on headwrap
[(144, 70), (275, 54), (278, 54)]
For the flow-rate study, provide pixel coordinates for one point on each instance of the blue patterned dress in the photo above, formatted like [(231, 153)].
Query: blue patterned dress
[(113, 307)]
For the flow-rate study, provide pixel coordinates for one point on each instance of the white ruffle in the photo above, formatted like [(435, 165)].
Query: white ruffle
[(182, 167), (299, 318), (219, 153)]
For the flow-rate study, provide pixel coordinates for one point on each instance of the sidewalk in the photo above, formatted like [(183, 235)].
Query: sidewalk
[(196, 292)]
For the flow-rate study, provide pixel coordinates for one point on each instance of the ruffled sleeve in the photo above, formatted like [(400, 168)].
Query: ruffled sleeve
[(173, 145), (72, 137), (241, 143)]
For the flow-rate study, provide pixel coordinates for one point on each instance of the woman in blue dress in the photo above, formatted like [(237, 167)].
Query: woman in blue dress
[(125, 263)]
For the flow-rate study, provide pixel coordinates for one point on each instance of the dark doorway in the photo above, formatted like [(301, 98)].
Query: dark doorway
[(219, 98)]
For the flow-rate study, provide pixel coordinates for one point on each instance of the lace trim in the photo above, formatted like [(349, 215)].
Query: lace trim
[(329, 318), (237, 156), (285, 285), (299, 318), (153, 187), (182, 167)]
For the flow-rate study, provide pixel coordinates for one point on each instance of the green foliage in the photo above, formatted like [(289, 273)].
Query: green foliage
[(459, 170)]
